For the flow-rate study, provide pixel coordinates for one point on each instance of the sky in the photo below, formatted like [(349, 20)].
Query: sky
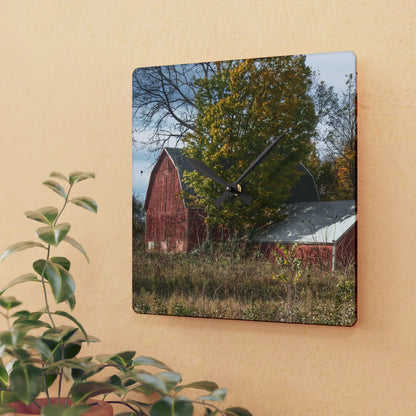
[(333, 68)]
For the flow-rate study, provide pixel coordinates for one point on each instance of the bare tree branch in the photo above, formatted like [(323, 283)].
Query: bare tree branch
[(164, 105)]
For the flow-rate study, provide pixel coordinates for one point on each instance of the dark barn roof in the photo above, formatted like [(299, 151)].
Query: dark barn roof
[(305, 188), (182, 164), (303, 191)]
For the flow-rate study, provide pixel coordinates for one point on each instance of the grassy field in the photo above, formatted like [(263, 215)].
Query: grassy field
[(231, 283)]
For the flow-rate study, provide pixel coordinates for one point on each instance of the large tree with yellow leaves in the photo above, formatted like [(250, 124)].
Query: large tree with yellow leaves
[(241, 108)]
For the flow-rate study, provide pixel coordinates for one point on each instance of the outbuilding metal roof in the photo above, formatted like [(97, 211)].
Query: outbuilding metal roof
[(312, 223)]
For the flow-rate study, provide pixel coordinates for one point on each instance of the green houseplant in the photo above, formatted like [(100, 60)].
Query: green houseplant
[(41, 350)]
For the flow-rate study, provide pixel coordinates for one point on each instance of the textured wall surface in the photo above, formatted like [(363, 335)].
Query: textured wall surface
[(65, 104)]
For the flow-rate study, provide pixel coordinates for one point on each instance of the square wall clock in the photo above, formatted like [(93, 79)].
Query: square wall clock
[(244, 189)]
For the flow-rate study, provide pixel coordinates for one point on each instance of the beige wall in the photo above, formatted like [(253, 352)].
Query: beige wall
[(65, 104)]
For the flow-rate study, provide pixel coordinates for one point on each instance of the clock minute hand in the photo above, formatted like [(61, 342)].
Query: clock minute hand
[(259, 158)]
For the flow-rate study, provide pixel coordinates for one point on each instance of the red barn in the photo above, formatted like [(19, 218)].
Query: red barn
[(324, 232), (170, 224)]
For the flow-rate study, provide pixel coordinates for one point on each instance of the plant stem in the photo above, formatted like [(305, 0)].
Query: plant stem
[(61, 373), (65, 203), (7, 317), (47, 258), (46, 387), (126, 404), (36, 404), (208, 405), (45, 294), (67, 397)]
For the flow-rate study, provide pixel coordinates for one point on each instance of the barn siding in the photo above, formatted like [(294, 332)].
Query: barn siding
[(319, 254), (346, 248), (197, 232), (166, 214)]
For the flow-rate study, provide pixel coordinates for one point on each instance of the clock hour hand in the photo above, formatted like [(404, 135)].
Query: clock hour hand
[(206, 171), (260, 158)]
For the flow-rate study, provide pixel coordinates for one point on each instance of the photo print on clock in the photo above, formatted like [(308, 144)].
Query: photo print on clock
[(244, 189)]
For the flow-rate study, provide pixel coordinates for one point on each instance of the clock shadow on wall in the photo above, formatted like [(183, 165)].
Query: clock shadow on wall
[(244, 189)]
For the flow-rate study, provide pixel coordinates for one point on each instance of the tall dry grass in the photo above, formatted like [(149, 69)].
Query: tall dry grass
[(230, 282)]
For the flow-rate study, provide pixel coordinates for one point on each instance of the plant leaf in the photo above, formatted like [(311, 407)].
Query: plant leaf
[(115, 380), (12, 337), (61, 333), (85, 202), (66, 352), (77, 176), (169, 406), (55, 187), (123, 358), (75, 321), (4, 376), (215, 396), (201, 385), (28, 324), (77, 246), (38, 345), (28, 277), (63, 410), (170, 379), (26, 315), (62, 284), (58, 175), (82, 364), (40, 264), (80, 372), (4, 409), (153, 382), (47, 215), (53, 234), (62, 261), (71, 302), (9, 302), (237, 411), (39, 267), (84, 391), (26, 381), (19, 247), (142, 360)]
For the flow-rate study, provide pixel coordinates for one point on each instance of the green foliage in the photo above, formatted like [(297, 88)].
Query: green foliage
[(36, 351), (174, 406), (290, 262), (26, 381), (138, 223), (336, 172), (241, 109)]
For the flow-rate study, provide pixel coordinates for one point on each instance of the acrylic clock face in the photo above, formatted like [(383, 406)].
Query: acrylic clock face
[(244, 189)]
